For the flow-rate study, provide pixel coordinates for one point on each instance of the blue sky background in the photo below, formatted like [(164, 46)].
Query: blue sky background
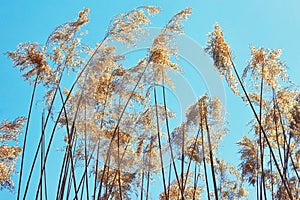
[(269, 23)]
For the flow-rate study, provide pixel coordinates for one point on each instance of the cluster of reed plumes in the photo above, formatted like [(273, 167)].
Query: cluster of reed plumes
[(116, 133)]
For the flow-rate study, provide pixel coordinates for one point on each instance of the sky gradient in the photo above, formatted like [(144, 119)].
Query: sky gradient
[(270, 23)]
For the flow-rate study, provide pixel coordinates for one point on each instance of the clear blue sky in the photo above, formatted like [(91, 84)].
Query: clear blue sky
[(269, 23)]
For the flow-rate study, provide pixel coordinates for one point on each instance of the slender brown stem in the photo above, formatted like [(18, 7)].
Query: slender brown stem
[(272, 180), (211, 160), (25, 135), (85, 155), (65, 164), (70, 152), (96, 170), (257, 176), (148, 184), (73, 86), (118, 122), (262, 181), (63, 176), (204, 162), (169, 179), (285, 143), (182, 164), (74, 146), (143, 176), (42, 135), (68, 96), (98, 142), (71, 180), (168, 131), (159, 142), (69, 144), (41, 161), (149, 169), (69, 186), (82, 191), (64, 103), (264, 133), (195, 181), (119, 166), (45, 173), (193, 153)]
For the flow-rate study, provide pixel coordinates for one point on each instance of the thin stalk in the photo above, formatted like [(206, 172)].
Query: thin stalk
[(168, 131), (66, 162), (159, 142), (85, 155), (148, 171), (69, 186), (190, 161), (264, 133), (98, 144), (262, 181), (143, 175), (257, 176), (182, 164), (62, 176), (286, 160), (42, 135), (42, 158), (70, 152), (106, 166), (148, 184), (41, 163), (126, 104), (286, 153), (83, 176), (285, 143), (102, 178), (45, 174), (285, 148), (121, 160), (195, 182), (169, 179), (272, 181), (69, 146), (66, 169), (277, 134), (82, 191), (25, 135), (63, 107), (68, 96), (96, 170), (204, 162), (70, 139), (211, 160), (71, 172), (119, 168), (116, 174), (119, 120)]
